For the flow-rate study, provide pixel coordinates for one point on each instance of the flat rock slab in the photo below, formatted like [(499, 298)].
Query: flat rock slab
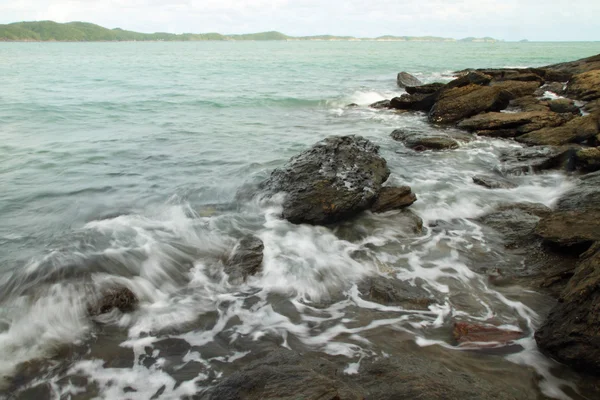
[(334, 180), (497, 124), (493, 182), (576, 130)]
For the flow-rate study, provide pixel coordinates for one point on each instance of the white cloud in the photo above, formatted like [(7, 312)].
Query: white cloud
[(508, 19)]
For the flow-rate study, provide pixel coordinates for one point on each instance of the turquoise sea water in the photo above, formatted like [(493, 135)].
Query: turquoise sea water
[(110, 148)]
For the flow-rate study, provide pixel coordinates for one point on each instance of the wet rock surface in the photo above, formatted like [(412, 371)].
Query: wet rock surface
[(493, 182), (393, 198), (463, 102), (576, 130), (429, 88), (121, 298), (335, 179), (414, 102), (288, 375), (571, 333), (245, 259), (393, 292), (381, 104), (421, 142), (497, 124), (473, 334)]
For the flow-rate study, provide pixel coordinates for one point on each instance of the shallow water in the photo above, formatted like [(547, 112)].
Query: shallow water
[(119, 163)]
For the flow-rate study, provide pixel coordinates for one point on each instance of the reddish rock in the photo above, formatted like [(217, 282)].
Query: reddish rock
[(465, 332), (393, 198)]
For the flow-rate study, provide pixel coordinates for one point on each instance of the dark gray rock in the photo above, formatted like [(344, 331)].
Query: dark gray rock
[(121, 298), (245, 259), (405, 79), (393, 292), (571, 333), (414, 102), (381, 104), (335, 179), (429, 88), (470, 78), (493, 182), (421, 142)]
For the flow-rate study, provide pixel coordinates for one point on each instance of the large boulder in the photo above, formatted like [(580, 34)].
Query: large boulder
[(393, 198), (405, 79), (498, 124), (585, 86), (421, 142), (527, 104), (463, 102), (571, 333), (576, 130), (335, 179)]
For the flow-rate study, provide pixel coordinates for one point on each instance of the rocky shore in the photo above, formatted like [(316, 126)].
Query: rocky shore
[(555, 112)]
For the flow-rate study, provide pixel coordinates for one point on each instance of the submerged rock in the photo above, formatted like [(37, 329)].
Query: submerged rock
[(420, 142), (469, 334), (393, 198), (245, 259), (121, 298), (405, 79), (394, 292), (459, 103), (335, 179), (493, 182), (571, 333), (381, 104), (516, 222), (538, 158)]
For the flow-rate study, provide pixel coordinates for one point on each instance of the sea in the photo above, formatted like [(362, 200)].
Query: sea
[(120, 164)]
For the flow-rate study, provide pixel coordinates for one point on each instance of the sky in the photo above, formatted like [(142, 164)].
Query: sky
[(547, 20)]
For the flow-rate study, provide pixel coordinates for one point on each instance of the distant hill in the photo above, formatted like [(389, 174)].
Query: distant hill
[(49, 31)]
